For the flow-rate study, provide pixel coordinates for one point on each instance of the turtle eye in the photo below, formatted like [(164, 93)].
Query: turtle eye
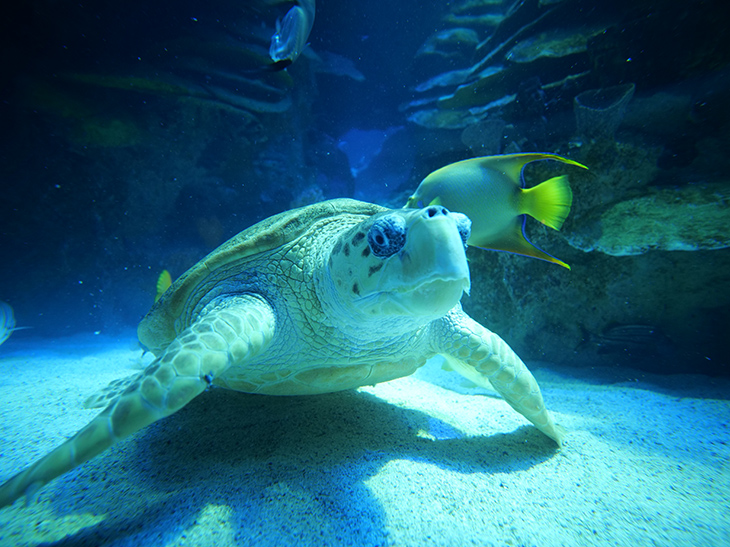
[(463, 223), (387, 235)]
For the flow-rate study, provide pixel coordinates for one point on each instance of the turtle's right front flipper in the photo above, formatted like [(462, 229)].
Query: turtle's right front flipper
[(231, 333), (481, 356)]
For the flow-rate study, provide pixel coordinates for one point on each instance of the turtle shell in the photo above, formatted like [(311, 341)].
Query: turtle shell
[(157, 330)]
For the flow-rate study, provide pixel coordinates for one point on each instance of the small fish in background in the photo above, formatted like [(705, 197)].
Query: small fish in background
[(7, 322), (491, 191), (164, 280), (628, 339), (291, 35)]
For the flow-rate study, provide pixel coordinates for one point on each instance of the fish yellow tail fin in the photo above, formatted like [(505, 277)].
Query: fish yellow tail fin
[(548, 202)]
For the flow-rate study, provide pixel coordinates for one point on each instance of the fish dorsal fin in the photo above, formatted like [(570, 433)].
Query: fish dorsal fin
[(512, 164), (513, 240)]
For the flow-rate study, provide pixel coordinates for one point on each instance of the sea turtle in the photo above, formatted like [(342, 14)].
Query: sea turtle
[(327, 297)]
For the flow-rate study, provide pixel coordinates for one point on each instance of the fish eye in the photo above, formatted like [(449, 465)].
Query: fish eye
[(387, 236)]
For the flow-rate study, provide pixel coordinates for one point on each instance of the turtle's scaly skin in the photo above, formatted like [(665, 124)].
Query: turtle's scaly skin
[(328, 297)]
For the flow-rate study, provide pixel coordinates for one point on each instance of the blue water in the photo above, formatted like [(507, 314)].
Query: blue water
[(137, 137)]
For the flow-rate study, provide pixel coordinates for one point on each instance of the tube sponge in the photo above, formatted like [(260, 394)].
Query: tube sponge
[(599, 112)]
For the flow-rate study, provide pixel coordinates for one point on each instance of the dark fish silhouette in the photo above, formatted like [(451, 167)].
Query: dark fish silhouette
[(633, 339)]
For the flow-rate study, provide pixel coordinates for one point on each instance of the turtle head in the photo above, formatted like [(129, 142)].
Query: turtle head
[(403, 262)]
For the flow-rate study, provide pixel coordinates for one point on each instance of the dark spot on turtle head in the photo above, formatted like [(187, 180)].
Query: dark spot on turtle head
[(375, 268), (336, 249), (366, 252), (356, 289), (358, 238), (346, 250)]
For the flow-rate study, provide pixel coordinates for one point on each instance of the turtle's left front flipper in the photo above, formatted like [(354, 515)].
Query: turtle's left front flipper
[(484, 358), (234, 332)]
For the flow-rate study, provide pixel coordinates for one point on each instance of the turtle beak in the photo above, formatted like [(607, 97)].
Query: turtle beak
[(431, 271), (435, 248)]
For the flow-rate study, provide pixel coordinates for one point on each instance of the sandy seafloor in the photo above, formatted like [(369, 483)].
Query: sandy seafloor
[(409, 462)]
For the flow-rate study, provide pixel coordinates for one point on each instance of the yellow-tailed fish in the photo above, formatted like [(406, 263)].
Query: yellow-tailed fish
[(490, 191), (163, 283), (291, 34)]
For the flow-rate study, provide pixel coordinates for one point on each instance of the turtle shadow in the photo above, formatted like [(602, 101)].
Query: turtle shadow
[(278, 463)]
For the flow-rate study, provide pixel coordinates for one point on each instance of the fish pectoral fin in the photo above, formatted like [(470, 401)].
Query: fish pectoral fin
[(549, 202), (513, 240)]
